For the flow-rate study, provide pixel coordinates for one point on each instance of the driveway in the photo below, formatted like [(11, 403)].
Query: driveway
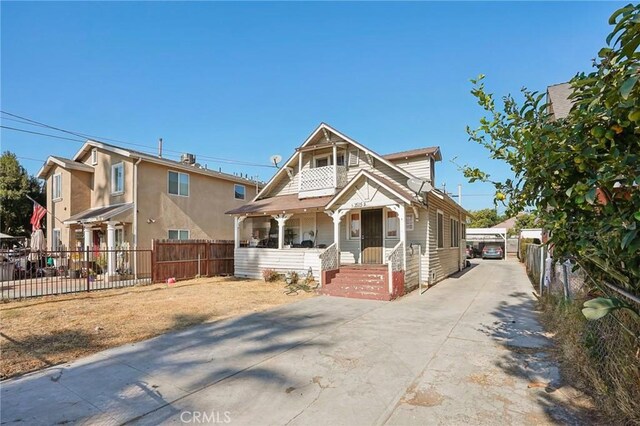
[(467, 351)]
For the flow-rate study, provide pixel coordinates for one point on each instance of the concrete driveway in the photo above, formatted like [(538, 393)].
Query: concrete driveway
[(468, 351)]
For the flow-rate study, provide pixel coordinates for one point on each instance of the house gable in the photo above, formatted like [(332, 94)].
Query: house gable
[(367, 190)]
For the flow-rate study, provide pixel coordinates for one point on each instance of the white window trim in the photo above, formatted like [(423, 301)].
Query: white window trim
[(179, 231), (440, 212), (455, 242), (53, 187), (329, 158), (353, 153), (384, 224), (409, 223), (94, 156), (188, 184), (113, 176), (244, 196), (349, 237)]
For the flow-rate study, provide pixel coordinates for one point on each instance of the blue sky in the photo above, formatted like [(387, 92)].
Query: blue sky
[(243, 81)]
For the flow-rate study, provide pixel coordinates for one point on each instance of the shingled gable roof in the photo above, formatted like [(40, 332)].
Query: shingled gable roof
[(320, 128), (66, 163), (282, 203), (558, 99), (430, 151)]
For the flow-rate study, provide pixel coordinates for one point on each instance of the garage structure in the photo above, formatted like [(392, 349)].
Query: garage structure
[(479, 237)]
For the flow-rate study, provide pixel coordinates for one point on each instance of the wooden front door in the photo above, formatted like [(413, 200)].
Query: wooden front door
[(372, 244)]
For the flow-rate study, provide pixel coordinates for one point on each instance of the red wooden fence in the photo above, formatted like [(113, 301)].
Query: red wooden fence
[(186, 259)]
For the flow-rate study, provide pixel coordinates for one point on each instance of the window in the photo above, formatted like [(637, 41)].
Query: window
[(440, 229), (354, 226), (178, 234), (119, 237), (117, 178), (454, 232), (56, 187), (463, 235), (353, 157), (409, 220), (322, 161), (340, 159), (55, 240), (392, 224), (239, 191), (178, 183), (94, 156)]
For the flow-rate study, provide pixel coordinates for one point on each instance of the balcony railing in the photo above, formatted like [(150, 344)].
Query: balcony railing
[(321, 180)]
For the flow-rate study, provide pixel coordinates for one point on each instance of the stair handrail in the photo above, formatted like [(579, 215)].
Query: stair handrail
[(395, 262)]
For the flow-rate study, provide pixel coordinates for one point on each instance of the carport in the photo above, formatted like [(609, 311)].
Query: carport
[(480, 237)]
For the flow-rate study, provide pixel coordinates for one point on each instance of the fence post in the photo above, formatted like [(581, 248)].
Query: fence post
[(565, 281), (153, 260), (542, 265), (88, 257), (207, 256)]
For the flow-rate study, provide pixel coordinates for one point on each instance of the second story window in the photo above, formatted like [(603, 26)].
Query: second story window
[(56, 187), (94, 156), (240, 191), (322, 161), (340, 160), (117, 178), (178, 183)]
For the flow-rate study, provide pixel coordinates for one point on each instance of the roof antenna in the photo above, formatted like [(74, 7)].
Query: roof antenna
[(275, 159), (160, 148)]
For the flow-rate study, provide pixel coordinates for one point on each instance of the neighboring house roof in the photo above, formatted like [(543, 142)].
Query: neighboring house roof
[(430, 151), (282, 203), (508, 224), (66, 163), (558, 99), (322, 128), (99, 214)]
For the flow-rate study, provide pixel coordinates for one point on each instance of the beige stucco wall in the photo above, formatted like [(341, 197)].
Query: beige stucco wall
[(101, 188), (202, 212)]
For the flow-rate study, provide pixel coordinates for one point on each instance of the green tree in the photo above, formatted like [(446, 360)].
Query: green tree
[(15, 185), (580, 174), (485, 218)]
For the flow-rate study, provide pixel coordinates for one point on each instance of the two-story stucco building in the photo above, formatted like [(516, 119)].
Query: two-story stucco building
[(109, 197), (364, 224)]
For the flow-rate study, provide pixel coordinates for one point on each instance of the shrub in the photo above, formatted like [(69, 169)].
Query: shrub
[(524, 242), (270, 275)]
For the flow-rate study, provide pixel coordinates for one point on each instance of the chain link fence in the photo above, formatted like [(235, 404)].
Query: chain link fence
[(601, 356)]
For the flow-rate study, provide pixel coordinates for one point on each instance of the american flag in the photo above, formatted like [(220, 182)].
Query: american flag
[(38, 214)]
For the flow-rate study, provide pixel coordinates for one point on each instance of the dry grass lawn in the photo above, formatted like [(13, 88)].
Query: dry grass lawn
[(41, 332)]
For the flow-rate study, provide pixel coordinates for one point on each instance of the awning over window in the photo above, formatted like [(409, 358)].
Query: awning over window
[(102, 214)]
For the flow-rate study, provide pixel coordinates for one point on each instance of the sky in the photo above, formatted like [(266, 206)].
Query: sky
[(244, 81)]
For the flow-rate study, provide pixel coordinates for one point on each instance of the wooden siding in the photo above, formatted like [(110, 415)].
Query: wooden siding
[(446, 260), (417, 166), (412, 275), (249, 262)]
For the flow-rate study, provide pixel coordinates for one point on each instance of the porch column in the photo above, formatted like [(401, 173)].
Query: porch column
[(111, 247), (88, 241), (337, 217), (281, 219), (335, 166), (402, 228), (237, 220)]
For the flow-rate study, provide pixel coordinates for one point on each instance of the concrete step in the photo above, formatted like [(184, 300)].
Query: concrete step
[(356, 294), (358, 287), (353, 274)]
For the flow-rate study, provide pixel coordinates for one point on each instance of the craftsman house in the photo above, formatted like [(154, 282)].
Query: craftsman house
[(109, 197), (351, 218)]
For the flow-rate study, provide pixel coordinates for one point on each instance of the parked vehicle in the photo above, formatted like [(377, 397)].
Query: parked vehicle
[(492, 252), (470, 253)]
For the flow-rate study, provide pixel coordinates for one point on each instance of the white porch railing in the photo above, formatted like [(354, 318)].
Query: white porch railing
[(395, 262), (329, 259), (322, 178)]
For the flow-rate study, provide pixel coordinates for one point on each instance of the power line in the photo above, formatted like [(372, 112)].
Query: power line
[(41, 134), (29, 121)]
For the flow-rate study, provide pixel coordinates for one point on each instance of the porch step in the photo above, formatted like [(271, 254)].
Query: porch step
[(359, 282)]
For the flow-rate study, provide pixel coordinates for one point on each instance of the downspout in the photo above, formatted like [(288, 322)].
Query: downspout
[(135, 217)]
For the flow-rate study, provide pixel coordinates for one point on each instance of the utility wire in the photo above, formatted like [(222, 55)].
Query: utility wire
[(29, 121)]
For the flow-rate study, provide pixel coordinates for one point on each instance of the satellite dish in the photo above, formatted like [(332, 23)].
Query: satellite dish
[(419, 185), (275, 159)]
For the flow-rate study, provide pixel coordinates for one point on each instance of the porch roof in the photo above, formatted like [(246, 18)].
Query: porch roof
[(282, 203), (99, 214)]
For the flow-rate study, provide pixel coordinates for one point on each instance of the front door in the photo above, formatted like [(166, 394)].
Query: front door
[(372, 246)]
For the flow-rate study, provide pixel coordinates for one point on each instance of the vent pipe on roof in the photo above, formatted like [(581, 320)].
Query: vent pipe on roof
[(160, 148)]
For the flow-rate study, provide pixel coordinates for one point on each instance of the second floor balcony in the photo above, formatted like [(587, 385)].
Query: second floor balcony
[(321, 181)]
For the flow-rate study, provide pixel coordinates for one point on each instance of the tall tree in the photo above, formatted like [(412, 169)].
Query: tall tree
[(485, 218), (15, 185)]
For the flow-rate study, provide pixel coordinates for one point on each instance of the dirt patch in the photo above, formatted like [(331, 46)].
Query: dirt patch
[(486, 379), (41, 332), (423, 397)]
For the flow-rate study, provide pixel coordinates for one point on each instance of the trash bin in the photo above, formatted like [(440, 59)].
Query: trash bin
[(6, 271)]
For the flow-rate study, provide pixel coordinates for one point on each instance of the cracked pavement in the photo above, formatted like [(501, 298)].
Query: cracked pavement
[(468, 351)]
